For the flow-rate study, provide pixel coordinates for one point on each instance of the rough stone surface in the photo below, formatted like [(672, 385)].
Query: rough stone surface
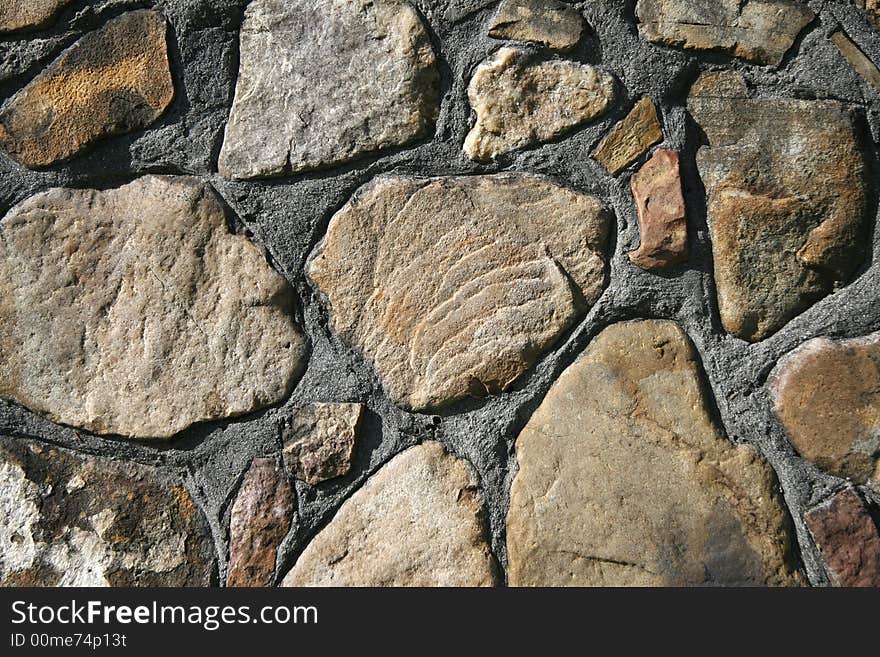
[(656, 188), (453, 287), (630, 138), (112, 81), (786, 201), (871, 9), (856, 58), (553, 24), (416, 522), (119, 313), (521, 100), (759, 31), (827, 396), (848, 538), (346, 79), (77, 520), (21, 14), (630, 416), (260, 519), (319, 441)]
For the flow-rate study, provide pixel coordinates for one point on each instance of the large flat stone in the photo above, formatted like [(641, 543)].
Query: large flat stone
[(77, 520), (21, 14), (521, 100), (550, 23), (416, 522), (112, 81), (786, 201), (323, 82), (625, 480), (135, 311), (453, 287)]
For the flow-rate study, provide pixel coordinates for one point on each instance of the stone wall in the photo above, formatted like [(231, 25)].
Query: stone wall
[(439, 292)]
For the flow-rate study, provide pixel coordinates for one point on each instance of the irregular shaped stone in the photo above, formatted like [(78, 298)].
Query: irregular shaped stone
[(323, 82), (786, 201), (20, 14), (260, 519), (453, 287), (656, 188), (625, 480), (827, 395), (551, 23), (417, 522), (319, 441), (630, 138), (77, 520), (112, 81), (759, 31), (520, 100), (857, 59), (135, 311), (848, 539)]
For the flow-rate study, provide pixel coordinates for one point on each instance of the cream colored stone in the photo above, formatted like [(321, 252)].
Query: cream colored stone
[(554, 24), (319, 440)]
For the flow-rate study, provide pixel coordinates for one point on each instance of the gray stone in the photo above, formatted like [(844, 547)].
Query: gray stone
[(549, 22), (319, 441)]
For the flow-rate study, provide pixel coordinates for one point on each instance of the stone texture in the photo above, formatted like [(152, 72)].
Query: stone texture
[(786, 201), (656, 188), (135, 311), (112, 81), (857, 59), (520, 100), (323, 82), (827, 396), (848, 539), (551, 23), (319, 441), (871, 9), (260, 519), (625, 480), (20, 14), (453, 287), (759, 31), (77, 520), (630, 138), (416, 522)]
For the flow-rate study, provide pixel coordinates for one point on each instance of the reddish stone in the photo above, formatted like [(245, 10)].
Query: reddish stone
[(848, 539), (656, 188)]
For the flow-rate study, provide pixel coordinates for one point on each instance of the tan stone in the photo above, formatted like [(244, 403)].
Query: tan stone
[(656, 188), (112, 81), (625, 480), (786, 201), (520, 100), (759, 31), (630, 138), (453, 287), (319, 441), (20, 14), (134, 311), (857, 59), (827, 395), (416, 522), (551, 23)]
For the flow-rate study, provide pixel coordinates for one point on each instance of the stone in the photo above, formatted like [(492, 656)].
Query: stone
[(871, 9), (260, 519), (520, 100), (786, 201), (453, 287), (113, 81), (71, 519), (319, 441), (857, 59), (551, 23), (656, 188), (29, 14), (135, 311), (848, 539), (417, 522), (630, 138), (625, 479), (758, 31), (324, 82), (826, 393)]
